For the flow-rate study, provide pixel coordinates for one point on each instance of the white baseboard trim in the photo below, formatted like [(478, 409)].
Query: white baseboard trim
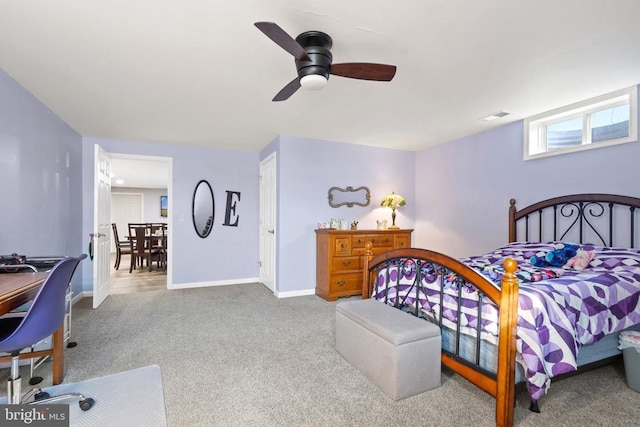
[(215, 283), (290, 294), (84, 294)]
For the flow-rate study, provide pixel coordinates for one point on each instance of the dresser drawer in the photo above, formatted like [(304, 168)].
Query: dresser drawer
[(377, 240), (402, 241), (375, 250), (346, 263), (345, 282), (342, 245)]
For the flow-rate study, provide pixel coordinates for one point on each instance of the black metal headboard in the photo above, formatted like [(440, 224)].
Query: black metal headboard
[(601, 219)]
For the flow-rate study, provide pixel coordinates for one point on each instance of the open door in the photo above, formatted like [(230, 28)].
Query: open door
[(268, 222), (102, 226)]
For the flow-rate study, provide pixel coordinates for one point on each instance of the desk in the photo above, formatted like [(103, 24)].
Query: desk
[(17, 289)]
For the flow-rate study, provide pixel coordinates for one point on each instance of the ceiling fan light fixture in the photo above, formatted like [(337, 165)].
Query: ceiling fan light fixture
[(313, 82)]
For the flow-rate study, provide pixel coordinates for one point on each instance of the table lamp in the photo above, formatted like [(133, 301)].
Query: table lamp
[(393, 201)]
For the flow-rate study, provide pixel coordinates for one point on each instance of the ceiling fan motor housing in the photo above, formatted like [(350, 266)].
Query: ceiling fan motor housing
[(313, 58), (316, 44)]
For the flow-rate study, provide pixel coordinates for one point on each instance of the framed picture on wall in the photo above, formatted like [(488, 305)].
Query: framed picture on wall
[(163, 206)]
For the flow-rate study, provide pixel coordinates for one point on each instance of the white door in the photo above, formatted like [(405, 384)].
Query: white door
[(102, 226), (268, 222), (125, 208)]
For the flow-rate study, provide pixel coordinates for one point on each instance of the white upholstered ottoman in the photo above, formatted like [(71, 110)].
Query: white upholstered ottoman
[(397, 351)]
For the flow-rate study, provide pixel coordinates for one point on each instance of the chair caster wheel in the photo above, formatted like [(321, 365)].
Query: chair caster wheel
[(86, 404), (40, 396), (35, 380)]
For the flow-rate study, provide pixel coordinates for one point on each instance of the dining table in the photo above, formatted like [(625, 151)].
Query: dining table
[(155, 243), (17, 289)]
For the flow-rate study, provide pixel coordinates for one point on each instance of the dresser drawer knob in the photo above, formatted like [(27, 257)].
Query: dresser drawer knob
[(346, 263), (341, 283)]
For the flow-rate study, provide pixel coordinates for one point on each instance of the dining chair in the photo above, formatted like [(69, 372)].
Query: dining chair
[(159, 240), (123, 247), (45, 315), (141, 247)]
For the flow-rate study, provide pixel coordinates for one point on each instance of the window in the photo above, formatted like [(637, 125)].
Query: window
[(599, 122)]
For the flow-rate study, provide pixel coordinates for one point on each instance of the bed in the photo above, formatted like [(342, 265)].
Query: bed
[(505, 321)]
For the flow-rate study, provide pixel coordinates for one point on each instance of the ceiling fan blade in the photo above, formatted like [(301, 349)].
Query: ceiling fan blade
[(288, 90), (364, 71), (282, 39)]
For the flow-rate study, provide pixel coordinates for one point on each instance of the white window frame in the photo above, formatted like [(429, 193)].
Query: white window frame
[(535, 142)]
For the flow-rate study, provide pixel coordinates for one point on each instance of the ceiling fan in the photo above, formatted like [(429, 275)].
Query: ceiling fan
[(313, 58)]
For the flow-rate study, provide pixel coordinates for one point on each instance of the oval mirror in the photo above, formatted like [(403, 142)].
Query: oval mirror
[(203, 208)]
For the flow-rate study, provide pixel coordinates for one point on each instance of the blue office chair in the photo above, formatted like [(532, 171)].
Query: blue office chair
[(43, 318)]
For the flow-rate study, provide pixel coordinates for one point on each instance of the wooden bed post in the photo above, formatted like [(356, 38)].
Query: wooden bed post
[(505, 393), (512, 221), (366, 281)]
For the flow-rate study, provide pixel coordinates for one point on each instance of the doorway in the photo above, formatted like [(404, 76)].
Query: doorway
[(268, 222), (139, 183)]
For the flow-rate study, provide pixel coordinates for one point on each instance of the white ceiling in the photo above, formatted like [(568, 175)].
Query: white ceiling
[(198, 72), (138, 172)]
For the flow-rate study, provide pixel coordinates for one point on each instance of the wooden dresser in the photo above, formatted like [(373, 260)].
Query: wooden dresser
[(340, 254)]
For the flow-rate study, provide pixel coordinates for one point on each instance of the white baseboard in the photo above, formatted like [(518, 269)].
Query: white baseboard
[(214, 283), (290, 294), (84, 294)]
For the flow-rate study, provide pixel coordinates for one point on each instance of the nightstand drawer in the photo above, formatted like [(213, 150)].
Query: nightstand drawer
[(346, 263)]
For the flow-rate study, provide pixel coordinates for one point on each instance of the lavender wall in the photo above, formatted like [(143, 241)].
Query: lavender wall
[(464, 186), (40, 178), (228, 253), (307, 168)]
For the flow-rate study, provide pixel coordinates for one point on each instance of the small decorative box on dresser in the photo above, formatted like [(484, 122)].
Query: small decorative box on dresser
[(339, 258)]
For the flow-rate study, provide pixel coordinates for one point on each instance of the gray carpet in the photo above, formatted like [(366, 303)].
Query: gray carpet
[(238, 356)]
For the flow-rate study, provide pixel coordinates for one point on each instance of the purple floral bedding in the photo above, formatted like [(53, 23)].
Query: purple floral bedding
[(560, 310)]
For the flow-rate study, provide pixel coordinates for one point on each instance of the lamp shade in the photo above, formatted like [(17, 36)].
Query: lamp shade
[(393, 201)]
